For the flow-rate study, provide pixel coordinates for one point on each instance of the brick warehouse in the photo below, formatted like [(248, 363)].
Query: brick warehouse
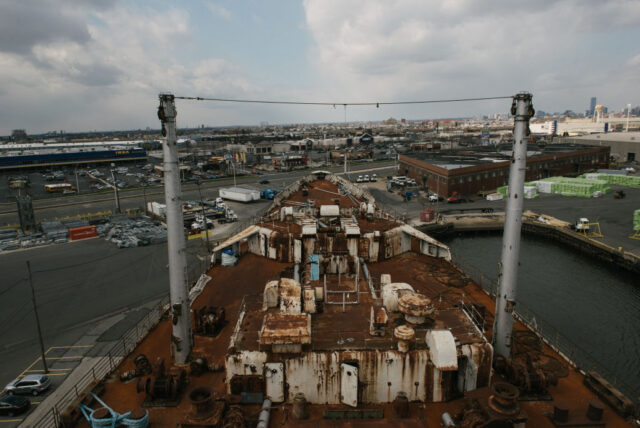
[(483, 169)]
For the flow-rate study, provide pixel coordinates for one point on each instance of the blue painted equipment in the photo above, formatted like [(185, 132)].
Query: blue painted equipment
[(114, 420)]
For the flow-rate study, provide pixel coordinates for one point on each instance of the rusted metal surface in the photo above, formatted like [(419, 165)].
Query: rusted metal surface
[(285, 329), (142, 368), (405, 335), (609, 394), (415, 304), (323, 192), (564, 416), (496, 406), (209, 320), (379, 320), (163, 386), (381, 316), (404, 332), (201, 399)]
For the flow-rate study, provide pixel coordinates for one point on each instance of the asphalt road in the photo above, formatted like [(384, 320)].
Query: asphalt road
[(77, 286), (50, 208)]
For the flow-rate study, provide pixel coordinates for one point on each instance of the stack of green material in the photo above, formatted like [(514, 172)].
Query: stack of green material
[(636, 220), (620, 180), (580, 187)]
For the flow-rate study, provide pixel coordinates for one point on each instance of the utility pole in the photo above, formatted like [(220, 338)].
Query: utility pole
[(181, 338), (35, 311), (115, 188), (522, 109), (77, 183), (345, 164), (234, 173), (144, 184)]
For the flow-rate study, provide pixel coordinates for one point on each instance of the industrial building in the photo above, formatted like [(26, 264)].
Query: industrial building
[(43, 155), (467, 172), (625, 146)]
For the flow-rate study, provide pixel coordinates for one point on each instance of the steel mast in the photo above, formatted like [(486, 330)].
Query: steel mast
[(522, 109), (181, 339)]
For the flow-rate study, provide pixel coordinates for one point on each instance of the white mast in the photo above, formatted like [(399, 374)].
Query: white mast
[(181, 339), (522, 109)]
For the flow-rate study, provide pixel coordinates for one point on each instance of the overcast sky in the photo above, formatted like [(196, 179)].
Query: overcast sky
[(78, 65)]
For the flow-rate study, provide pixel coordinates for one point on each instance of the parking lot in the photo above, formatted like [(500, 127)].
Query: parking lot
[(82, 180), (61, 360)]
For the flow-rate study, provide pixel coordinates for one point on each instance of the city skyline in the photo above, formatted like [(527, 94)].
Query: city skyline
[(75, 66)]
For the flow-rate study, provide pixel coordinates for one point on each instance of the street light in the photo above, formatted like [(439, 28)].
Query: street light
[(115, 188), (78, 183), (144, 184)]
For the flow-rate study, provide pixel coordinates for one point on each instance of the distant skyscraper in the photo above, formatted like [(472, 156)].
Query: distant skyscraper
[(592, 108)]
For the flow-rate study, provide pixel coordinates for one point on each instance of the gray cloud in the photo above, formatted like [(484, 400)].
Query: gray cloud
[(433, 48), (27, 23)]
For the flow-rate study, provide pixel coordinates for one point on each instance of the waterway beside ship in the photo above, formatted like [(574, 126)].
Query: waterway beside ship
[(592, 309)]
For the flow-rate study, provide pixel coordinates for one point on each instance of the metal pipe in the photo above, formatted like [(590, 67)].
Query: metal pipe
[(181, 339), (265, 413), (365, 270), (508, 269), (367, 276)]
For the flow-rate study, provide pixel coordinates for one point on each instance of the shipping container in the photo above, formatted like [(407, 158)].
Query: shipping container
[(82, 232), (240, 194)]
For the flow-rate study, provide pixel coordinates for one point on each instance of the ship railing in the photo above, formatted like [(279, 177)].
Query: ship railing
[(578, 357), (474, 314), (575, 355), (103, 365)]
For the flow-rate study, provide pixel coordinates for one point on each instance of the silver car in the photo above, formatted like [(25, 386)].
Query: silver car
[(30, 384)]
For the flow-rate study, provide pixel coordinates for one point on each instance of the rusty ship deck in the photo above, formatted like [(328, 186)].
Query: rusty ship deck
[(341, 328)]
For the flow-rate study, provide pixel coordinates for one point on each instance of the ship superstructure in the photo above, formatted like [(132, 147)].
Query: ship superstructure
[(334, 332)]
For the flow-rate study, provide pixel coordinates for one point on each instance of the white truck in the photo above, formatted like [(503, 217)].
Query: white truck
[(240, 194), (229, 216)]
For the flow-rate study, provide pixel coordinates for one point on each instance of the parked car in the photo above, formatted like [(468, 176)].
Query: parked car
[(264, 181), (11, 405), (29, 384)]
